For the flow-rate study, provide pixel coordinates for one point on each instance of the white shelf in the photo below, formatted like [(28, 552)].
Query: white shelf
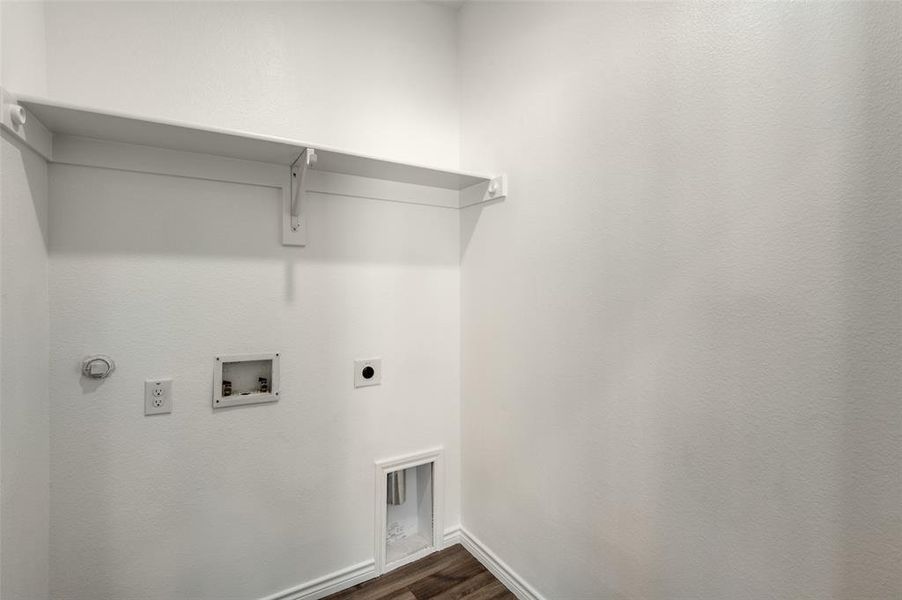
[(66, 119), (84, 136), (334, 161)]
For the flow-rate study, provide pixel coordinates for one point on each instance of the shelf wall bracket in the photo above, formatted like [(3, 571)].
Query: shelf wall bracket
[(294, 227), (15, 119), (481, 193)]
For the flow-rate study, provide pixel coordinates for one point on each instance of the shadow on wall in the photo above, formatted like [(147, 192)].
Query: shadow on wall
[(37, 181), (469, 219), (116, 212)]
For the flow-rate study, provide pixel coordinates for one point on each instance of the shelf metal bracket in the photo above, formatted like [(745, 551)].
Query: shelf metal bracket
[(298, 173), (294, 227)]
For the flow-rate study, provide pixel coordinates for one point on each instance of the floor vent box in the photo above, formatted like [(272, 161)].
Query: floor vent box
[(408, 517)]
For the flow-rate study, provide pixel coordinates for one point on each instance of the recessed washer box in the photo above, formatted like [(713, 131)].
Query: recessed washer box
[(240, 379)]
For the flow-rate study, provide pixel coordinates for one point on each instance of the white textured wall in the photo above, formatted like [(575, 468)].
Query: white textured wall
[(165, 273), (376, 77), (24, 388), (24, 344), (23, 49), (681, 332)]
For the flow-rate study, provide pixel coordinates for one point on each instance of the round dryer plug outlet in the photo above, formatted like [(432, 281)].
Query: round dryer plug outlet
[(367, 372)]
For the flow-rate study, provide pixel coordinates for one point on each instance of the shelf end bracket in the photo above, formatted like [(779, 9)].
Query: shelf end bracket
[(487, 191)]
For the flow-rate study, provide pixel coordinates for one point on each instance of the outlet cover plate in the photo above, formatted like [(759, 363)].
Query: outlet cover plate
[(157, 396), (367, 372)]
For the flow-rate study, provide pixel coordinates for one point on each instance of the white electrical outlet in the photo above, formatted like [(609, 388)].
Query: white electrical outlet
[(367, 372), (157, 396)]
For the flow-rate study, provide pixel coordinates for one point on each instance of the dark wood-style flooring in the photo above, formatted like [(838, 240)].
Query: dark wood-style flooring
[(451, 574)]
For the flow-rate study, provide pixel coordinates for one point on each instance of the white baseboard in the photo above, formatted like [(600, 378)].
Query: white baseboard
[(347, 577), (452, 536), (328, 584), (350, 576), (511, 580)]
